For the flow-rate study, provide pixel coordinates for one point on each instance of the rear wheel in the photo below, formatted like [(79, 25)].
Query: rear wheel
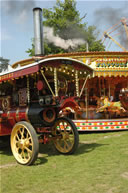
[(66, 136), (24, 143)]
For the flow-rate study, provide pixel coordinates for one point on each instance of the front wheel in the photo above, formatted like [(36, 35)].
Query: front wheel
[(24, 143), (66, 138)]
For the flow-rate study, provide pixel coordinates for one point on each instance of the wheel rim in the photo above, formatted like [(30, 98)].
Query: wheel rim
[(64, 136), (21, 144)]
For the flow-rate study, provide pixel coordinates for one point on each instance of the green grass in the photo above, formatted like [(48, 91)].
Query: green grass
[(100, 165)]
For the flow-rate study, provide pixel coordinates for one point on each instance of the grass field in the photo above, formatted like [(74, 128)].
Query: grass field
[(100, 165)]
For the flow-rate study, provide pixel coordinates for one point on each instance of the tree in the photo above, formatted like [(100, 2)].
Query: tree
[(4, 63), (65, 20)]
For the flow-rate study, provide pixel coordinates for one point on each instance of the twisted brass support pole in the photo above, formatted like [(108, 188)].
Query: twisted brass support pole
[(47, 83)]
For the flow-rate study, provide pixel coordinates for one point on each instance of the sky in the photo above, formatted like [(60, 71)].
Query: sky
[(16, 21)]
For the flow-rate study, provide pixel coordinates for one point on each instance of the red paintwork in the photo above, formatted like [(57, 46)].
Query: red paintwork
[(40, 85), (5, 128), (68, 102), (9, 118), (19, 73)]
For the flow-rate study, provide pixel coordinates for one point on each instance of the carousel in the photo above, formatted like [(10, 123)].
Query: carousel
[(104, 100)]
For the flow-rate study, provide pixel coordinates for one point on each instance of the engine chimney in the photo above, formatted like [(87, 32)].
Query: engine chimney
[(38, 31)]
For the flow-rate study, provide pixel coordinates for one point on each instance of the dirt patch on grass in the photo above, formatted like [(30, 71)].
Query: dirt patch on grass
[(8, 165), (102, 138), (125, 175), (111, 190)]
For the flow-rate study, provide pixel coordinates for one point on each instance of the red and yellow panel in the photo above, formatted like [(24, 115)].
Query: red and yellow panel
[(98, 125)]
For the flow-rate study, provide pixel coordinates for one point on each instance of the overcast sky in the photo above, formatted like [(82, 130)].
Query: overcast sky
[(16, 20)]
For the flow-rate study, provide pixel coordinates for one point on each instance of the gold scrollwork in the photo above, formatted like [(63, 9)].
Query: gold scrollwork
[(5, 104)]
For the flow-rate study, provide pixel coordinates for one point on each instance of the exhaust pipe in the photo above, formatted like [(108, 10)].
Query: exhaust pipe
[(38, 31)]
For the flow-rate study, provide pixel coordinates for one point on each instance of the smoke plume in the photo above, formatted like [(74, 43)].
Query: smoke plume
[(19, 10), (109, 16), (58, 41)]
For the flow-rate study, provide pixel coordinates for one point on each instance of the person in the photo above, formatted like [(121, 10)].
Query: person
[(111, 98)]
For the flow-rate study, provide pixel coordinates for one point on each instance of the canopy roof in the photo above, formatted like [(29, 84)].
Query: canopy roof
[(93, 63), (63, 65)]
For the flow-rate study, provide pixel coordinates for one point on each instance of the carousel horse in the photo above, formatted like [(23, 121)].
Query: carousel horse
[(68, 110), (69, 106), (110, 106)]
